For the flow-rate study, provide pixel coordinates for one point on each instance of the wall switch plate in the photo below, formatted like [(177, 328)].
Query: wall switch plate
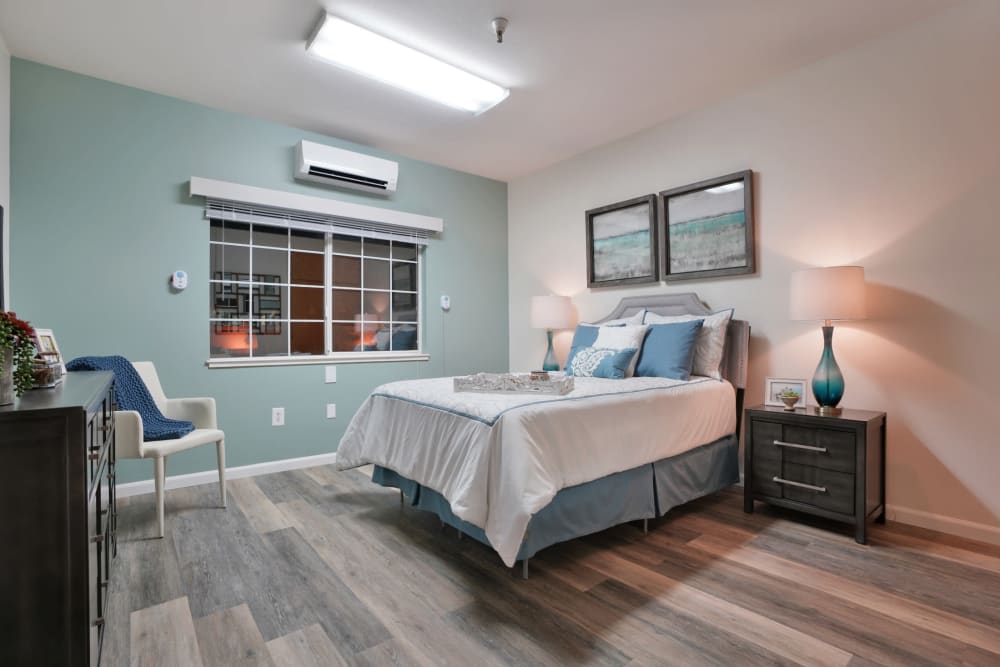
[(277, 416), (331, 374), (445, 302), (331, 410)]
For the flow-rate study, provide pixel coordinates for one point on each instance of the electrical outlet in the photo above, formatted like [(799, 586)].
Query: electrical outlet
[(331, 374), (277, 416), (331, 410)]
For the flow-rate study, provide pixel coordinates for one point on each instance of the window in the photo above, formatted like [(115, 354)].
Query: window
[(283, 295)]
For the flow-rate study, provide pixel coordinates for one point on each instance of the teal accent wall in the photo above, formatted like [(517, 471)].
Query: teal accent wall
[(99, 178)]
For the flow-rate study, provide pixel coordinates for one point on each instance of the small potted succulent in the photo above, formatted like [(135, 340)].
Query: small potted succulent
[(17, 352), (789, 397)]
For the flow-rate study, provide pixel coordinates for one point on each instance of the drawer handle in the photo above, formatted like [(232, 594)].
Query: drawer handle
[(97, 539), (795, 445), (93, 455), (106, 426), (99, 621), (810, 487)]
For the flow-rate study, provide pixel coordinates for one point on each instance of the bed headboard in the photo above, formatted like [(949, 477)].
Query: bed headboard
[(736, 354)]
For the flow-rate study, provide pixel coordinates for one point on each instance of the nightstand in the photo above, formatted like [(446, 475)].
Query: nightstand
[(829, 466)]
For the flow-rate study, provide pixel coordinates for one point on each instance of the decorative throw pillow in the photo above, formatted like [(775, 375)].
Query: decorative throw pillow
[(627, 337), (599, 362), (710, 343), (668, 351)]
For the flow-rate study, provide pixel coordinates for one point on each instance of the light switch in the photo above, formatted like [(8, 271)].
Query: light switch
[(331, 374)]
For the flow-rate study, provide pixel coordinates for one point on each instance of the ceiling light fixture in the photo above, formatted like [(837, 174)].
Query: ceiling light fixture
[(362, 51)]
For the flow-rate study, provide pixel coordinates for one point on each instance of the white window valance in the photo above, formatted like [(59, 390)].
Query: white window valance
[(261, 206)]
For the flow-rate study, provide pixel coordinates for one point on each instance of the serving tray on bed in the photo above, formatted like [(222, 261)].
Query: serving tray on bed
[(517, 383)]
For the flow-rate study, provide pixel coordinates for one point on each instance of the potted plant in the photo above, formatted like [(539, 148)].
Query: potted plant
[(789, 397), (17, 351)]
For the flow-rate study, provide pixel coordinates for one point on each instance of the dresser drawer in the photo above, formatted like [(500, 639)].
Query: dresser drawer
[(826, 489)]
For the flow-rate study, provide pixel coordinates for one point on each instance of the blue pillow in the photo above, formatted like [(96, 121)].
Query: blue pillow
[(668, 350), (599, 362)]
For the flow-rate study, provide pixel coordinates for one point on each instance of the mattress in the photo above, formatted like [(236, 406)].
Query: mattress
[(500, 458)]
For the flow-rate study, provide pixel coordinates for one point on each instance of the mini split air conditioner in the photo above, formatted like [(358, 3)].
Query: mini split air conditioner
[(345, 169)]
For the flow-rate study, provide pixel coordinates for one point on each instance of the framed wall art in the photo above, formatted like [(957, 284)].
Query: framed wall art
[(622, 243), (708, 228)]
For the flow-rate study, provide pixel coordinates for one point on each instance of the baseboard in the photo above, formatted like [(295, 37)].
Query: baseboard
[(980, 532), (210, 476)]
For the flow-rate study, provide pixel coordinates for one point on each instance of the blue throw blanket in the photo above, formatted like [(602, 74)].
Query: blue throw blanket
[(131, 394)]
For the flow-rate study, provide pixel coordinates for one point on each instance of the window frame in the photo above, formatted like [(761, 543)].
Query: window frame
[(328, 253)]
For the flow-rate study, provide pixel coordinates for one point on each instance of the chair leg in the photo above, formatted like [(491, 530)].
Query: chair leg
[(160, 464), (220, 448)]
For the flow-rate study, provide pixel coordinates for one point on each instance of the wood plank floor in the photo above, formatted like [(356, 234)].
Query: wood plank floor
[(319, 567)]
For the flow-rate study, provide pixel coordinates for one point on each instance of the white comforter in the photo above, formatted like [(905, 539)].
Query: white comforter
[(500, 458)]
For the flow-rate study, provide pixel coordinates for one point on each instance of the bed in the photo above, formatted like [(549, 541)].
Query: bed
[(520, 472)]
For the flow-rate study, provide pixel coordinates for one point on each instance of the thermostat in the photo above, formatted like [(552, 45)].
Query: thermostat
[(179, 280)]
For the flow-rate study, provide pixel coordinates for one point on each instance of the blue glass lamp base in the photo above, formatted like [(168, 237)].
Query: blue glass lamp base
[(550, 363), (828, 381)]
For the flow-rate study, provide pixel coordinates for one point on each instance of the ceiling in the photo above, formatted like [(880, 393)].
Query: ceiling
[(581, 72)]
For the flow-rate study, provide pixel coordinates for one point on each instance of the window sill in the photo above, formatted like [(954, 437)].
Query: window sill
[(341, 358)]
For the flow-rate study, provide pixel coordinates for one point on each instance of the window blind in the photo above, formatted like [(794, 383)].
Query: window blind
[(216, 209)]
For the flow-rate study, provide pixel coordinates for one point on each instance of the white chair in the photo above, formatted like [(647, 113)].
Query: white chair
[(129, 443)]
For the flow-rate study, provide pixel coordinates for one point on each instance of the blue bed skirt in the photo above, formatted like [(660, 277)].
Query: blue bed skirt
[(640, 493)]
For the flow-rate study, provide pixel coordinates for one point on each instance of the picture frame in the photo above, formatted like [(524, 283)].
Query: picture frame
[(774, 386), (622, 243), (48, 348), (708, 228)]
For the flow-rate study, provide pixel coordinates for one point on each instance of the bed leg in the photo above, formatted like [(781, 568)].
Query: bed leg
[(645, 526), (524, 568), (401, 503), (459, 531)]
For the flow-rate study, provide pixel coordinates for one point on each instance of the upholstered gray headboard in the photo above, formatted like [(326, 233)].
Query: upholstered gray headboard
[(736, 355)]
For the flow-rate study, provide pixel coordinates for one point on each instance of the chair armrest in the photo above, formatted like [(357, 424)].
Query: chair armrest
[(201, 411), (128, 434)]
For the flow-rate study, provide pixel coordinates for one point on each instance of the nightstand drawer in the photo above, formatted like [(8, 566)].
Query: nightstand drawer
[(804, 445), (827, 489)]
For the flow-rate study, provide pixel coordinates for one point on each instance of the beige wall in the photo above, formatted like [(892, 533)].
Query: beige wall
[(887, 155), (5, 150)]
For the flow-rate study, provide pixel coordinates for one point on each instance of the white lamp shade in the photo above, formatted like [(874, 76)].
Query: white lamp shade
[(551, 312), (831, 293)]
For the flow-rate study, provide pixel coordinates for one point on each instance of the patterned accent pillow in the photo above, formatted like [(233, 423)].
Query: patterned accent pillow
[(626, 337), (600, 362), (711, 342)]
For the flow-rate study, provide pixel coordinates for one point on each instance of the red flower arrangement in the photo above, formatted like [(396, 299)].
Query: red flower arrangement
[(17, 339)]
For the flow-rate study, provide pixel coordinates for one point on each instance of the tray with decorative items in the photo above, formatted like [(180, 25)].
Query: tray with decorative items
[(535, 382)]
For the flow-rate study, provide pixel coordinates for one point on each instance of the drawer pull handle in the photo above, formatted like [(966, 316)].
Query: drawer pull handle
[(99, 621), (106, 426), (795, 445), (97, 539), (810, 487), (94, 455)]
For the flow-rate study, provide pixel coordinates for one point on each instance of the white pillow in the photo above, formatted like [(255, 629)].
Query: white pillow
[(631, 319), (627, 337), (711, 340)]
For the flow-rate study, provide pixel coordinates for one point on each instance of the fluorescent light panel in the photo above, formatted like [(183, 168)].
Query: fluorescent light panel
[(362, 51)]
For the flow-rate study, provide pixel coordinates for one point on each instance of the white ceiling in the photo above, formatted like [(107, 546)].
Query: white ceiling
[(581, 72)]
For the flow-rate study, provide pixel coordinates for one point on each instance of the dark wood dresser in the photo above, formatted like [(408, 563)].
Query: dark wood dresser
[(57, 490), (830, 466)]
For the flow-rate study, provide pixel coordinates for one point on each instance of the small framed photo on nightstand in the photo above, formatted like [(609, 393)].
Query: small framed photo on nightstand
[(780, 391)]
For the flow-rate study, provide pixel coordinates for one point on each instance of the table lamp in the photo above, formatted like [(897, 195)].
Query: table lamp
[(550, 313), (831, 293)]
